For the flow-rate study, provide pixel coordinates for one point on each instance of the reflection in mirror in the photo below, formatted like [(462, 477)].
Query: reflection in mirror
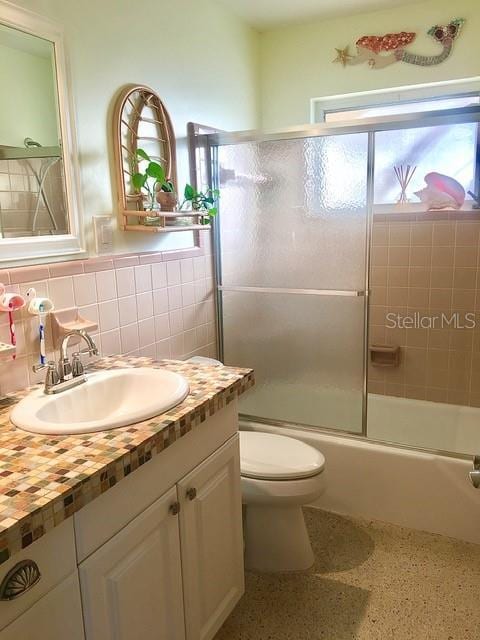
[(32, 186)]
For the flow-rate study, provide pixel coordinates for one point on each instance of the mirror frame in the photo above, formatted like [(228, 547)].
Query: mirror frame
[(41, 249)]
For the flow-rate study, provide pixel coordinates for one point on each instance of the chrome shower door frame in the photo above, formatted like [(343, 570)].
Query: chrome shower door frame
[(370, 126)]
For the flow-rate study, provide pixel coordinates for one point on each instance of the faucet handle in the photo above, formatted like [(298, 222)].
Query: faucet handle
[(48, 365), (77, 366), (52, 378), (39, 367), (65, 369)]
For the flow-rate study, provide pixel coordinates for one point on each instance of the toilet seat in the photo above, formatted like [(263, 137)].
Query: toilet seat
[(268, 456)]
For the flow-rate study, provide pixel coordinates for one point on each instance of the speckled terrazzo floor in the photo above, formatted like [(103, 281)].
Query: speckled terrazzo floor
[(371, 581)]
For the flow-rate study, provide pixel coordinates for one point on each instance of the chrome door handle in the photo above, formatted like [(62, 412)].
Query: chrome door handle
[(475, 473)]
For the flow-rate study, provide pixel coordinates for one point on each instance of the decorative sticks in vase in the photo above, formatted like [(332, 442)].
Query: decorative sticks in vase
[(404, 175)]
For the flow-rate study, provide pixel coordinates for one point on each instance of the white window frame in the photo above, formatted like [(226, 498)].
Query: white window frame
[(38, 249), (382, 97)]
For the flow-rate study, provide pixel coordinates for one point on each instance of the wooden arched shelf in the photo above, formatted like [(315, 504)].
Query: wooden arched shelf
[(140, 120)]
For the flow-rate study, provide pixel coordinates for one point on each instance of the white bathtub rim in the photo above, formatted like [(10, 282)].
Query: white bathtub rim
[(249, 423), (399, 485)]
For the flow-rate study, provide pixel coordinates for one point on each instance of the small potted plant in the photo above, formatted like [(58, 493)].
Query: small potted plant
[(166, 196), (152, 184), (201, 201)]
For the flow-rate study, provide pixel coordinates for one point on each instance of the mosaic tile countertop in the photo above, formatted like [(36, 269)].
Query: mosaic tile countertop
[(45, 479)]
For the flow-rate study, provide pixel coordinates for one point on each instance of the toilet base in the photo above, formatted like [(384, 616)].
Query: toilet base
[(276, 539)]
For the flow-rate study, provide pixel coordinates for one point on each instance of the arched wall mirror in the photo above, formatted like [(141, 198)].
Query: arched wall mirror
[(39, 210)]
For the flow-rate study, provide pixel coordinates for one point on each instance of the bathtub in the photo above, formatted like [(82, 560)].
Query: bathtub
[(421, 490), (427, 425)]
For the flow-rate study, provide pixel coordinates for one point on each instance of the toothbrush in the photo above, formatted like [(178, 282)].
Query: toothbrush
[(41, 332), (13, 338)]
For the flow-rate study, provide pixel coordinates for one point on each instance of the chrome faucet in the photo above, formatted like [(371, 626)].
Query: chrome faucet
[(68, 373), (475, 473), (68, 370)]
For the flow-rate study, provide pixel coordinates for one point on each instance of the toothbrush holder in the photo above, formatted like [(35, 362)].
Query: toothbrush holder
[(38, 305), (10, 301)]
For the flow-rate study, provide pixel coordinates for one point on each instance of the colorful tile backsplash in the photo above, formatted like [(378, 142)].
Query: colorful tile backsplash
[(158, 305)]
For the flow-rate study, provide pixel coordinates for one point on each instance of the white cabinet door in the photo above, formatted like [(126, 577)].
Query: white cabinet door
[(56, 616), (212, 542), (44, 553), (132, 586)]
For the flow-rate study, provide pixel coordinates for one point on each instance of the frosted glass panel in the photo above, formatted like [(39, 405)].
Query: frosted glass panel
[(293, 213), (307, 352)]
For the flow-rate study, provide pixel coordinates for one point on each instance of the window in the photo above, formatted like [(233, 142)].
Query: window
[(452, 150), (399, 108)]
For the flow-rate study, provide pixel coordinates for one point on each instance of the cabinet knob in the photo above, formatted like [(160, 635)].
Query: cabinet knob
[(191, 493), (22, 577), (174, 508)]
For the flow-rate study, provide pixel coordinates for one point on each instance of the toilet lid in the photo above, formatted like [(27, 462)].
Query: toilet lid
[(269, 456)]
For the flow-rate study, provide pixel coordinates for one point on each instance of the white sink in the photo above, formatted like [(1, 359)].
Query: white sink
[(107, 400)]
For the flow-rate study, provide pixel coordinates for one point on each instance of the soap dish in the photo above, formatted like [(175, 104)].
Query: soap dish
[(382, 355), (6, 351), (66, 320)]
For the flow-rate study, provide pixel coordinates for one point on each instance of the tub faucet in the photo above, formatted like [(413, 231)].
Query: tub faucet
[(475, 473)]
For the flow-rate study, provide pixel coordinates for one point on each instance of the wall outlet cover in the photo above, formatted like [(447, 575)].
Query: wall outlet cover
[(103, 231)]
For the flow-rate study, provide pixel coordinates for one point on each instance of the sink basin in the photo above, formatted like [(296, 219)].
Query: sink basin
[(107, 400)]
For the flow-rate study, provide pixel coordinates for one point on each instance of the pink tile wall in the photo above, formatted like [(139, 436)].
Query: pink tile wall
[(158, 305), (427, 264)]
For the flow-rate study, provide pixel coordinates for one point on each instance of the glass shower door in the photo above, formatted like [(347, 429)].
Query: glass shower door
[(293, 236)]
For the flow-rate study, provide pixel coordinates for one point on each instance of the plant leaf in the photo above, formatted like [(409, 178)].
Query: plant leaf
[(138, 180), (155, 170), (143, 154), (189, 192), (168, 186), (213, 211)]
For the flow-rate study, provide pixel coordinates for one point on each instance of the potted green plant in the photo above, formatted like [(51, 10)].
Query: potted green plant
[(153, 183), (201, 201), (166, 196), (159, 194)]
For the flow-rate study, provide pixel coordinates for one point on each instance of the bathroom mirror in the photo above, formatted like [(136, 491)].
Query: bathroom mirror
[(38, 206)]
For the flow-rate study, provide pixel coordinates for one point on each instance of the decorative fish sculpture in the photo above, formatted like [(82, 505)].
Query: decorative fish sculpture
[(372, 49)]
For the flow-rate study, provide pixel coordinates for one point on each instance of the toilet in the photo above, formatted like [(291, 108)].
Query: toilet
[(279, 475)]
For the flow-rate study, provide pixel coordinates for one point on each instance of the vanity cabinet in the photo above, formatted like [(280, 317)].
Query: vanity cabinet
[(175, 571), (158, 556), (132, 586)]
